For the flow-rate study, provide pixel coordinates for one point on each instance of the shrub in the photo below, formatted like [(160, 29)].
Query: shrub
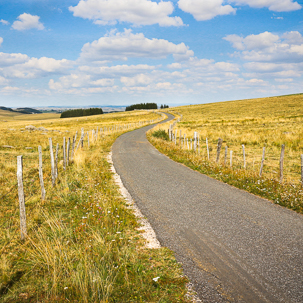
[(161, 134)]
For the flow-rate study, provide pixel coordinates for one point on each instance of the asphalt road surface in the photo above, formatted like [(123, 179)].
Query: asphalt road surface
[(234, 246)]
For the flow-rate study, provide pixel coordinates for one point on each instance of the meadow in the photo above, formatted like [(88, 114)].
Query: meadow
[(83, 244), (255, 123)]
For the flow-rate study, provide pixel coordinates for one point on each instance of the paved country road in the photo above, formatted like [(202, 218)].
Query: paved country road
[(234, 246)]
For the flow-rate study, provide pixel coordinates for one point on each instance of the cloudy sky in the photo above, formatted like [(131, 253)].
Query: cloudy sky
[(118, 52)]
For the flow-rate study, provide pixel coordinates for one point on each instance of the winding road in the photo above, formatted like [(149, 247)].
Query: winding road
[(233, 246)]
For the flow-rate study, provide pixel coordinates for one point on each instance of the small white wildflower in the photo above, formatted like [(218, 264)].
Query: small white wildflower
[(65, 288), (156, 279)]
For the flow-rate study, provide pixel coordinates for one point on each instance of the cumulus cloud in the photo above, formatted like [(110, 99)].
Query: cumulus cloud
[(121, 46), (273, 5), (206, 9), (27, 21), (12, 59), (137, 12), (23, 67), (268, 47), (4, 22), (1, 40)]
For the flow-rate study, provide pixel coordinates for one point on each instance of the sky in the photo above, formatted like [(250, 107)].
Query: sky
[(122, 52)]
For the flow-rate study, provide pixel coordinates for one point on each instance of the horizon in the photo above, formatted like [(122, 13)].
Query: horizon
[(180, 52)]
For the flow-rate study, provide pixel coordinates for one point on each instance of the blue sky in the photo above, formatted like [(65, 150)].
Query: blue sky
[(119, 52)]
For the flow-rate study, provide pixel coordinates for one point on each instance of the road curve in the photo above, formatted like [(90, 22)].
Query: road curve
[(234, 246)]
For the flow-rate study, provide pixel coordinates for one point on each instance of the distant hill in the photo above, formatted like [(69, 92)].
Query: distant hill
[(21, 110), (28, 110), (6, 108)]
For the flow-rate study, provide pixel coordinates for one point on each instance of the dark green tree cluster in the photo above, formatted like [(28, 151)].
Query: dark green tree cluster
[(81, 112), (142, 106), (164, 106)]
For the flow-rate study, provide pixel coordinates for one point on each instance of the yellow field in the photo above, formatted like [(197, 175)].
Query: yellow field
[(256, 123)]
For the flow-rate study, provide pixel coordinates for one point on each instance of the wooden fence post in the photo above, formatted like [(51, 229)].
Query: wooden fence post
[(195, 141), (176, 133), (281, 162), (198, 144), (64, 154), (262, 162), (41, 173), (220, 141), (180, 137), (187, 144), (225, 156), (231, 159), (88, 139), (21, 198), (244, 160), (68, 148), (302, 170), (207, 149), (73, 149), (191, 144), (52, 161), (56, 161)]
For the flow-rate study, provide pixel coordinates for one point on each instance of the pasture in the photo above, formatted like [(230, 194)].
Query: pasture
[(255, 124), (82, 243)]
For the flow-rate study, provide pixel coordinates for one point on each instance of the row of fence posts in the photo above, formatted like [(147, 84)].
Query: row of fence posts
[(194, 144), (69, 150)]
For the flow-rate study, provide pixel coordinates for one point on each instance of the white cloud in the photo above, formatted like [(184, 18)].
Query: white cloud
[(253, 42), (138, 80), (121, 46), (137, 12), (22, 67), (206, 9), (268, 47), (1, 40), (27, 21), (4, 22), (273, 5), (12, 59)]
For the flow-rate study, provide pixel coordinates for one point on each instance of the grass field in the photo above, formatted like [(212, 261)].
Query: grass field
[(255, 123), (82, 244)]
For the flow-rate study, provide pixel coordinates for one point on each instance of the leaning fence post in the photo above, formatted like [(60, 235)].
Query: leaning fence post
[(21, 198), (52, 161), (64, 154), (262, 162), (207, 149), (281, 162), (220, 141), (244, 160), (41, 173)]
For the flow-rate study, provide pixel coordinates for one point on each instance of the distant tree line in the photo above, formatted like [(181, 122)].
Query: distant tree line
[(142, 106), (164, 106), (81, 112)]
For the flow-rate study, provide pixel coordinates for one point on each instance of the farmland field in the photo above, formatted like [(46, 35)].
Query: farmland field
[(255, 123), (82, 244)]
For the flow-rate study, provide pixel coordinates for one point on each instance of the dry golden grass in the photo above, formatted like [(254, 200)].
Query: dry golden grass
[(82, 243), (256, 123)]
